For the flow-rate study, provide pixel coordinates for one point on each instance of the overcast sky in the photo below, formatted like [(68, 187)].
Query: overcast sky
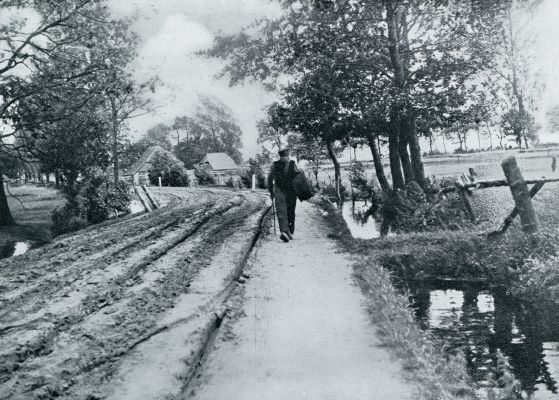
[(172, 30)]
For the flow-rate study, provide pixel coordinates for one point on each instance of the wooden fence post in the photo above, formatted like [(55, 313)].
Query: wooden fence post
[(463, 192), (521, 195)]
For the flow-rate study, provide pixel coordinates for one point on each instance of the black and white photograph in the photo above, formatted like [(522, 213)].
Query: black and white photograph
[(279, 200)]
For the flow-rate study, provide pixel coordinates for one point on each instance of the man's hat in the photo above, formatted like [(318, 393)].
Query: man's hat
[(284, 151)]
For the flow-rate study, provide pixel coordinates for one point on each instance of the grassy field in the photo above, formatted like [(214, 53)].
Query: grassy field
[(31, 207)]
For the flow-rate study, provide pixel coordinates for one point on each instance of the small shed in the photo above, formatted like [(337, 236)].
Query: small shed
[(137, 174), (222, 167)]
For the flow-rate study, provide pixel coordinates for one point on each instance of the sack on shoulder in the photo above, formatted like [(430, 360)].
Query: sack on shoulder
[(302, 187)]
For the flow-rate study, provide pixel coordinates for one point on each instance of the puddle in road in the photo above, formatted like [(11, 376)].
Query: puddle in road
[(478, 322), (360, 225)]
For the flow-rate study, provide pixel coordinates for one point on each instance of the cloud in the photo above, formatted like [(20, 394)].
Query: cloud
[(228, 16), (173, 32)]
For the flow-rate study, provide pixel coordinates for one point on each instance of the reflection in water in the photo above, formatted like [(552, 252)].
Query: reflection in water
[(478, 322), (360, 224), (12, 249)]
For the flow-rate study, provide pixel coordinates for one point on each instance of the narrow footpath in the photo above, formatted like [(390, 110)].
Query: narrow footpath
[(301, 331)]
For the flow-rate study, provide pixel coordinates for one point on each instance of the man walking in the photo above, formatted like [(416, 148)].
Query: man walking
[(280, 185)]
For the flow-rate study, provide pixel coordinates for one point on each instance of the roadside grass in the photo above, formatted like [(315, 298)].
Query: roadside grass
[(438, 375)]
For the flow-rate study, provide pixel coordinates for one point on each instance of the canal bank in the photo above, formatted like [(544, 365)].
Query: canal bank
[(468, 298)]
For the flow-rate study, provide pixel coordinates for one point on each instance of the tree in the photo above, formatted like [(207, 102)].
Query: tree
[(313, 151), (217, 129), (211, 129), (519, 126), (415, 56), (511, 54), (56, 128), (66, 44), (158, 135), (271, 137), (255, 169), (171, 170), (552, 116)]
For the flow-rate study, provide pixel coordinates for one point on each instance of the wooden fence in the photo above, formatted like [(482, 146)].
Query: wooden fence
[(519, 189)]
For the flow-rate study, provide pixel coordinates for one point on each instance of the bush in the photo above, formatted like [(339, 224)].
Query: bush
[(230, 182), (330, 191), (99, 198), (412, 210), (65, 220), (171, 171), (204, 176), (90, 201), (256, 169)]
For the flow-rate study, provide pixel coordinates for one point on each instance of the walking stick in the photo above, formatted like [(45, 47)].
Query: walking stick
[(274, 214)]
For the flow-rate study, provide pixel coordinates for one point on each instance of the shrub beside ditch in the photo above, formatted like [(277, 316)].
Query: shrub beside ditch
[(91, 201)]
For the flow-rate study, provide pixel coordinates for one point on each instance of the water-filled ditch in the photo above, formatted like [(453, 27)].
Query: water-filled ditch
[(478, 321), (16, 248), (358, 222)]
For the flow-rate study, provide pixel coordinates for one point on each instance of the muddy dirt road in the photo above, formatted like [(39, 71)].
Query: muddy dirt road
[(78, 316)]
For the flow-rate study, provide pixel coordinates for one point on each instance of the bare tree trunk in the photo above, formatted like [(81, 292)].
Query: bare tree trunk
[(478, 139), (6, 218), (337, 172), (430, 144), (490, 135), (415, 152), (500, 137), (399, 77), (394, 156), (405, 160), (114, 120), (397, 28), (377, 160)]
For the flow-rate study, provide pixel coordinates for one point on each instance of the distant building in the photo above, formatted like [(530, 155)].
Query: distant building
[(137, 174), (222, 167)]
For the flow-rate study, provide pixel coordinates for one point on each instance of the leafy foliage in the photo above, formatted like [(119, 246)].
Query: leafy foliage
[(255, 168), (204, 176), (212, 129), (99, 198), (90, 201), (171, 170), (521, 126), (412, 210), (552, 116), (70, 57)]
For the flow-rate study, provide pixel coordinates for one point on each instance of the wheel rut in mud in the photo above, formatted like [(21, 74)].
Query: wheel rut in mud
[(69, 312)]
